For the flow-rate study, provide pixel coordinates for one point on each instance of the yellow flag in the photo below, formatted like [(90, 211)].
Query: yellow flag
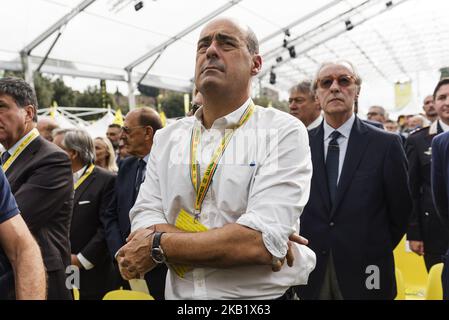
[(118, 118), (163, 118), (403, 94), (186, 103), (53, 109)]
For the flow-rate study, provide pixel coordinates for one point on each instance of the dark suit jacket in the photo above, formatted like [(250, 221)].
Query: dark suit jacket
[(425, 225), (117, 224), (440, 176), (42, 183), (369, 217), (87, 233)]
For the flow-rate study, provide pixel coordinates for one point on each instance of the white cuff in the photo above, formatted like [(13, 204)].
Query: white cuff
[(84, 262)]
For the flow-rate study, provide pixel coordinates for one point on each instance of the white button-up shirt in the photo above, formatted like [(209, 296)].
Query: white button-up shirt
[(262, 182)]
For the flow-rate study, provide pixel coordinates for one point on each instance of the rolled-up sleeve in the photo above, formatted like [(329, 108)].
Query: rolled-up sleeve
[(281, 188), (148, 209)]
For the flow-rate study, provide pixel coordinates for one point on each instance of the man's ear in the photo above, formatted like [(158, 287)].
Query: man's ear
[(30, 112), (257, 64), (149, 131)]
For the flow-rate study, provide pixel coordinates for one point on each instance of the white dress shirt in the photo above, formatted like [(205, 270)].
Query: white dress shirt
[(262, 182), (84, 262), (345, 131)]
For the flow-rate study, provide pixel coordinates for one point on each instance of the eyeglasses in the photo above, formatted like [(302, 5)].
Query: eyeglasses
[(343, 81), (128, 130)]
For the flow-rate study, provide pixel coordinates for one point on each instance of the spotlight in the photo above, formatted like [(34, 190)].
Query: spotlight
[(279, 59), (138, 5), (389, 4), (272, 77), (287, 32), (292, 52), (349, 25), (285, 43)]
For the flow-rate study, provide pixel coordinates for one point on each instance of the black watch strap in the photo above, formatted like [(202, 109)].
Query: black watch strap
[(156, 250)]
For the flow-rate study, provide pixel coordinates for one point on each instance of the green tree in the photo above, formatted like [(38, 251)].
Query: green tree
[(63, 95), (44, 90), (173, 105)]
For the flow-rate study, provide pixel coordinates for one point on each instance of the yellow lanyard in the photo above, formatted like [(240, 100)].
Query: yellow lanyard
[(33, 135), (200, 192), (84, 176)]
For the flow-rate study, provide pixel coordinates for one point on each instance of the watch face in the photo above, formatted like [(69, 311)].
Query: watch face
[(158, 255)]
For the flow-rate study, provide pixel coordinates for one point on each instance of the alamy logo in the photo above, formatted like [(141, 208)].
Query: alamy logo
[(372, 282), (73, 277)]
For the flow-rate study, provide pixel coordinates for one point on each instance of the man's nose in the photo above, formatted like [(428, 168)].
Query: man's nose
[(334, 86), (212, 50)]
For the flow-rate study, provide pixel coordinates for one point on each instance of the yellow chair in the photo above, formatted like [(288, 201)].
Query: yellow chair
[(127, 295), (400, 286), (413, 271), (76, 294), (434, 287)]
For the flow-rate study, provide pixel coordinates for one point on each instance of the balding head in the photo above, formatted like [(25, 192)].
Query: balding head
[(139, 128), (45, 126)]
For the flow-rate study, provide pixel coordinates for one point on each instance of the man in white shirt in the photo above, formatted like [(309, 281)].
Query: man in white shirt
[(244, 189), (303, 105)]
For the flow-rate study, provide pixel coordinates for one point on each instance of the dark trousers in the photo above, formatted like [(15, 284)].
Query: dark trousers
[(57, 289), (432, 259), (445, 276)]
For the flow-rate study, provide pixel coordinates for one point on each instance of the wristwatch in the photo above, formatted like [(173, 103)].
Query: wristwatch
[(157, 254)]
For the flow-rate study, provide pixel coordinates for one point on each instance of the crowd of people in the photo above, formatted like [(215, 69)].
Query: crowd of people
[(234, 201)]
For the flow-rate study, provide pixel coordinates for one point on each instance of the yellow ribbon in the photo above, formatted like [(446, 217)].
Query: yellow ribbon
[(201, 190), (84, 176), (33, 135)]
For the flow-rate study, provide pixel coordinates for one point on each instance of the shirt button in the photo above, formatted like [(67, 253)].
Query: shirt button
[(324, 252), (332, 224), (426, 214)]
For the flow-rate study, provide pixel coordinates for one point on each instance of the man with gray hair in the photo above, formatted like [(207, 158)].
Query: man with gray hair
[(38, 172), (303, 105), (359, 201), (94, 188)]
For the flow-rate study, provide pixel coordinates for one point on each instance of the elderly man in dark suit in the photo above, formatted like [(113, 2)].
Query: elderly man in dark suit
[(440, 174), (94, 188), (140, 126), (359, 200), (39, 174)]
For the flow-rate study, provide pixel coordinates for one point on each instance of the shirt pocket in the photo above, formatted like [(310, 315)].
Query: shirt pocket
[(231, 187)]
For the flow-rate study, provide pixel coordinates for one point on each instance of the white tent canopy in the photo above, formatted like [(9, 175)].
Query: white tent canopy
[(388, 41)]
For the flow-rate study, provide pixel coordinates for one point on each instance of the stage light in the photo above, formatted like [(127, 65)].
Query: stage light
[(349, 25), (138, 5), (292, 52), (272, 77), (279, 59)]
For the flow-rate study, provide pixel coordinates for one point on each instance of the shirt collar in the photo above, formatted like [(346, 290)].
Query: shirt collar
[(315, 123), (444, 126), (228, 120), (344, 129), (146, 158), (17, 144), (77, 175)]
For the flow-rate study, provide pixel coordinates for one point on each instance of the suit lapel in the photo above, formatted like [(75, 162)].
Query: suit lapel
[(24, 158), (83, 187), (357, 145), (319, 172)]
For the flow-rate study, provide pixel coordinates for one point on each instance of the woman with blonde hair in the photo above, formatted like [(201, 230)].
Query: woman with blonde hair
[(104, 154)]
